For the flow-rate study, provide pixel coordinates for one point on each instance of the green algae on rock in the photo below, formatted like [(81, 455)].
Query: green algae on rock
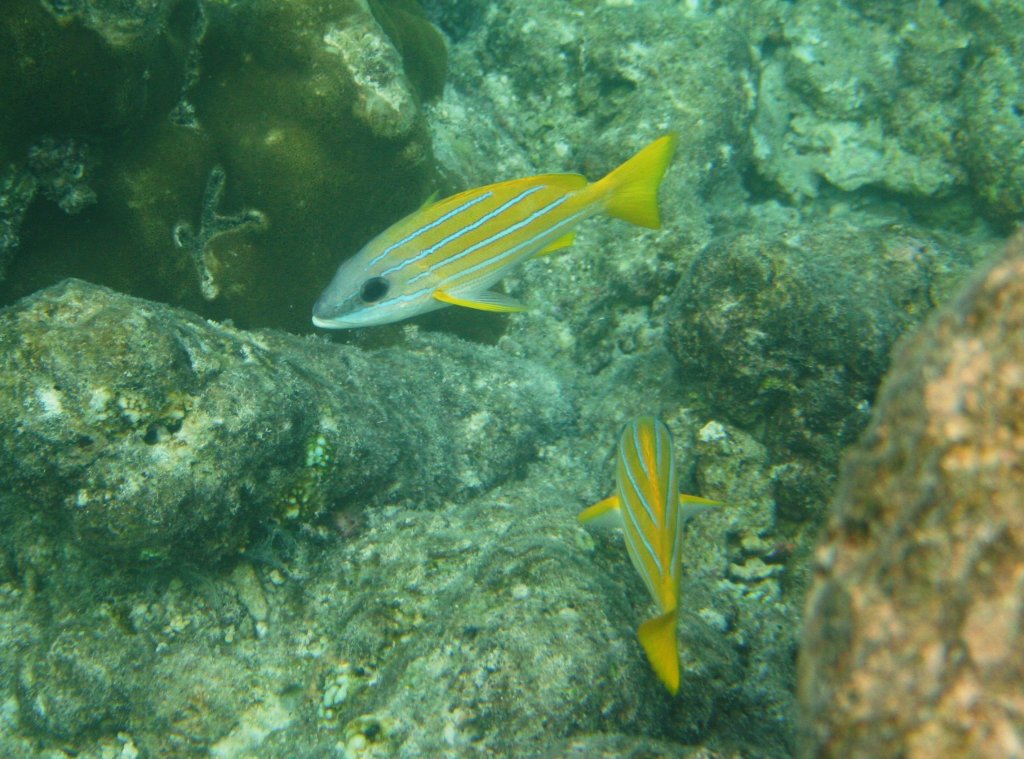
[(994, 136)]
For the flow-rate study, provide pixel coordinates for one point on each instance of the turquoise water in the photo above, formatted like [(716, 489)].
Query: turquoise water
[(225, 532)]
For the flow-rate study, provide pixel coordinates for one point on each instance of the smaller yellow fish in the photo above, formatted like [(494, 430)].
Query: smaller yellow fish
[(651, 511), (452, 251)]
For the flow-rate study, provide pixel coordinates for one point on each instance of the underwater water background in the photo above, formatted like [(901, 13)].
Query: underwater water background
[(224, 532)]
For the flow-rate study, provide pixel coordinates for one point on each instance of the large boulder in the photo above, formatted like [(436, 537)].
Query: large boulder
[(144, 431), (913, 644), (787, 332)]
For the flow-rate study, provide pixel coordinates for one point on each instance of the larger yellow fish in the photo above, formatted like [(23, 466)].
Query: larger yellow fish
[(451, 252), (651, 511)]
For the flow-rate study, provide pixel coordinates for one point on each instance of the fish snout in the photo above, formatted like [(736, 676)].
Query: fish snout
[(329, 310)]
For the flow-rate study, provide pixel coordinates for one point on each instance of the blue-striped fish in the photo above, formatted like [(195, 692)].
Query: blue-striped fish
[(651, 511), (452, 251)]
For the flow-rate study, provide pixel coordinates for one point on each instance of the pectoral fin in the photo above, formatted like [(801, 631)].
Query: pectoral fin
[(431, 199), (694, 504), (561, 243), (606, 513), (485, 300)]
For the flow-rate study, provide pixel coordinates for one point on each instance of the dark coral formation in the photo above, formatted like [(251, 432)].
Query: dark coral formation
[(307, 111)]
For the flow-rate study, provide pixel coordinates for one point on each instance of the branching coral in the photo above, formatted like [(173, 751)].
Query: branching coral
[(211, 225)]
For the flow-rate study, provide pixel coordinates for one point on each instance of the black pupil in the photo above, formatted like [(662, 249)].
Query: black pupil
[(374, 289)]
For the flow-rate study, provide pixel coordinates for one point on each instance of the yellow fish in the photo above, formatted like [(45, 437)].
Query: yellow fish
[(651, 511), (452, 251)]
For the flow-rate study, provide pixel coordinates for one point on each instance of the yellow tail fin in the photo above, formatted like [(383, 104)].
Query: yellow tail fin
[(658, 637), (632, 189)]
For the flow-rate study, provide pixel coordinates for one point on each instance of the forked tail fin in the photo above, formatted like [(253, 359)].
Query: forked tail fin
[(658, 637), (632, 188)]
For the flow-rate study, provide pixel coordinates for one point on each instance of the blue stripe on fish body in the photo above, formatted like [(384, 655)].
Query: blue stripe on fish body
[(427, 227), (490, 269), (643, 480), (454, 236), (455, 257), (453, 250)]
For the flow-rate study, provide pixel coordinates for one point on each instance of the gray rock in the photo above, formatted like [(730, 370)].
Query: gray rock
[(912, 643), (489, 624), (613, 746), (792, 330), (148, 432), (494, 626), (849, 100), (994, 134), (498, 638)]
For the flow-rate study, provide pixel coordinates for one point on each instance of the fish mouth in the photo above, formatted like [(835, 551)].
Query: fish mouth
[(325, 319), (347, 321), (328, 323), (329, 314)]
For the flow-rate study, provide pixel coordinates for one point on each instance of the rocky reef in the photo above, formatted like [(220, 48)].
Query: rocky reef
[(221, 538), (232, 507)]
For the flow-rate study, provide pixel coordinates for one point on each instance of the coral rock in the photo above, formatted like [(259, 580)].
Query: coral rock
[(913, 644)]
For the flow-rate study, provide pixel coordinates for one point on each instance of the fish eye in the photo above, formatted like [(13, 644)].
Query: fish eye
[(374, 289)]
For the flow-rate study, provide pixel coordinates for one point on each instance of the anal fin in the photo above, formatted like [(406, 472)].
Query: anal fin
[(694, 504)]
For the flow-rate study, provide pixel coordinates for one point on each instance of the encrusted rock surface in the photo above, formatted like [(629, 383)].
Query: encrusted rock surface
[(789, 330), (145, 431), (442, 604), (913, 643)]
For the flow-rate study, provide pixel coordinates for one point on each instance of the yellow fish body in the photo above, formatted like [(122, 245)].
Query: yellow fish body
[(451, 252), (652, 512)]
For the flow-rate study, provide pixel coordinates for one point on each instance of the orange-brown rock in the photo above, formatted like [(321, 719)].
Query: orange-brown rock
[(913, 642)]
